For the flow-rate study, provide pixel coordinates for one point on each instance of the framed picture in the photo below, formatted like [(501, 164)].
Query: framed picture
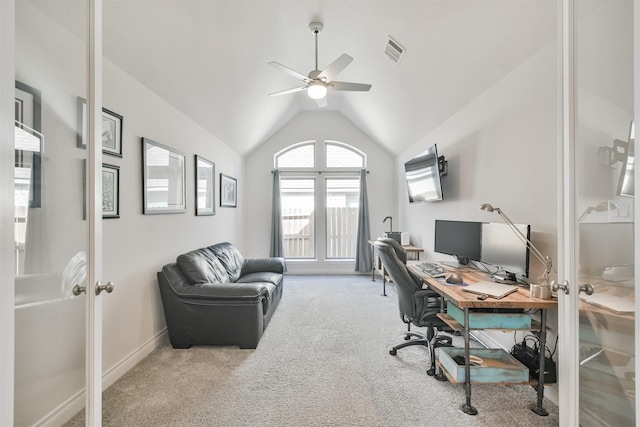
[(111, 129), (110, 191), (228, 191), (29, 144), (205, 184), (163, 179)]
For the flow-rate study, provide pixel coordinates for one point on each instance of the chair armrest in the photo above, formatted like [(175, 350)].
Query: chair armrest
[(257, 265), (426, 293)]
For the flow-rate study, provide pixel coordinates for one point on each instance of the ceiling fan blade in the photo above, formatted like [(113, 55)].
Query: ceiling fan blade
[(361, 87), (284, 92), (335, 67), (322, 102), (289, 71)]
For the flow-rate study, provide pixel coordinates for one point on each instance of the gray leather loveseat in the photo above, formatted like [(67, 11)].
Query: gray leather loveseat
[(213, 296)]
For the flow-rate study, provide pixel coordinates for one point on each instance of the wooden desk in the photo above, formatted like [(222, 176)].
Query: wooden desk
[(410, 249), (468, 301)]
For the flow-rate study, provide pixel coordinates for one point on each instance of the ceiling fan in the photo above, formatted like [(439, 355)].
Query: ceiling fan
[(318, 82)]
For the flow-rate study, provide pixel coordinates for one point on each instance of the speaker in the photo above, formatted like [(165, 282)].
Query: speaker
[(395, 235), (405, 239)]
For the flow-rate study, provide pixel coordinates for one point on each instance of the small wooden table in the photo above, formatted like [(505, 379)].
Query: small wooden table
[(410, 249), (467, 300)]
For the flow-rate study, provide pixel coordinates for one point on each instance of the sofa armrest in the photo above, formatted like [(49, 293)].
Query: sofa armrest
[(257, 265)]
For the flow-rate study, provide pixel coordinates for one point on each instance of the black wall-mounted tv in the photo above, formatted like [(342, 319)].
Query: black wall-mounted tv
[(423, 176)]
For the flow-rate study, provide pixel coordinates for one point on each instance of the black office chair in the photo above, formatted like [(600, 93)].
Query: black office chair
[(417, 306)]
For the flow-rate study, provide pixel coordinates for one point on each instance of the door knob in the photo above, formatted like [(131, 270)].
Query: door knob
[(100, 287), (77, 290), (587, 288), (563, 286)]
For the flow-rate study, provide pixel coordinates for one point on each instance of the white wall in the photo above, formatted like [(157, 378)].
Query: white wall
[(501, 149), (135, 246), (321, 125)]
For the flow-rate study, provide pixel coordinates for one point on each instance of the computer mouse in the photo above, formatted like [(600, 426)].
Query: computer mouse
[(454, 279)]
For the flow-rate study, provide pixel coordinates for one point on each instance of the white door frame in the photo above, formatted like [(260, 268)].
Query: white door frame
[(567, 226), (7, 288), (93, 378), (7, 254)]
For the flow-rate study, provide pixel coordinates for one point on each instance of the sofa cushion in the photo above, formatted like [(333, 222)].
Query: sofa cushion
[(231, 259), (264, 276), (202, 266)]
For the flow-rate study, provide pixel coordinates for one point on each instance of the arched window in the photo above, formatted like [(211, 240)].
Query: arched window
[(340, 155), (301, 155)]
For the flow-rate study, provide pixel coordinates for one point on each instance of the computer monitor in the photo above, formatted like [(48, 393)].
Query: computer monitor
[(502, 248), (461, 239)]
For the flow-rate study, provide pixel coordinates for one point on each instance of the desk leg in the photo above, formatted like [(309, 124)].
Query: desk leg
[(373, 263), (467, 408), (537, 407), (384, 283)]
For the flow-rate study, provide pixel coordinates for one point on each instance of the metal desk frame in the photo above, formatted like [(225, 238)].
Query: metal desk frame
[(467, 301)]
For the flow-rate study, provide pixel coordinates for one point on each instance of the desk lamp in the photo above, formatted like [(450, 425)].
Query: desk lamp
[(600, 207), (390, 223), (542, 289)]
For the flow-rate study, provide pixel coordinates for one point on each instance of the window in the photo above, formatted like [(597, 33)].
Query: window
[(298, 201), (296, 156), (342, 216), (339, 155), (330, 195)]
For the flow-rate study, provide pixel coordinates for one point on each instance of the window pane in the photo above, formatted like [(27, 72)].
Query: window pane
[(299, 157), (298, 205), (343, 197), (339, 156)]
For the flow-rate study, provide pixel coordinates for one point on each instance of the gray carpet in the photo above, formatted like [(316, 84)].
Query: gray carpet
[(323, 361)]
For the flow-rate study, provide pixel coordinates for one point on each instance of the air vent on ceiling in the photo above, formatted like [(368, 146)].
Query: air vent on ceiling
[(394, 51)]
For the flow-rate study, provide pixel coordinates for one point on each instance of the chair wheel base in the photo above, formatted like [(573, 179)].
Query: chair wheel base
[(393, 352), (468, 409), (431, 372)]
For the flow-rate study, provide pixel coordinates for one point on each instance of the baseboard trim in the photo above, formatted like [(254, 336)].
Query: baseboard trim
[(68, 409), (112, 374)]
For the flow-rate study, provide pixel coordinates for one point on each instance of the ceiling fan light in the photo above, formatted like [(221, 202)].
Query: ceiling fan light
[(317, 91)]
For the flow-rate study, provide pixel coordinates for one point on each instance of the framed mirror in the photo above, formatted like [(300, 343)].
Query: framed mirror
[(163, 179)]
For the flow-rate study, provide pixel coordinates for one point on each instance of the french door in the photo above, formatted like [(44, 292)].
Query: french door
[(58, 214), (598, 240)]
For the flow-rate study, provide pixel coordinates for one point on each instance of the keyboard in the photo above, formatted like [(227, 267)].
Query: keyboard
[(433, 270)]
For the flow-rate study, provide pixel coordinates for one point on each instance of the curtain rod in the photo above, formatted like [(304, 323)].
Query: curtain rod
[(318, 172)]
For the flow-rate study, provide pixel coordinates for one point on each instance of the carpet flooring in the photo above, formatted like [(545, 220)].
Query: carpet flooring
[(323, 361)]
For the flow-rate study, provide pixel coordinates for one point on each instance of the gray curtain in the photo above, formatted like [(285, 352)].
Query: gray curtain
[(364, 261), (277, 245)]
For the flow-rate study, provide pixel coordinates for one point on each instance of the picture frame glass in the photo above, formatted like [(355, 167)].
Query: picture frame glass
[(205, 184), (111, 129), (164, 184), (110, 191), (228, 191)]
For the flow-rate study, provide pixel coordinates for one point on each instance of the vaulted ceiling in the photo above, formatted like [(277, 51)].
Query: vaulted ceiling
[(209, 58)]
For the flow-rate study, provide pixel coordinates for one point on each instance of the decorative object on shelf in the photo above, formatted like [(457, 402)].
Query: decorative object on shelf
[(228, 191), (541, 289), (29, 142), (205, 182), (111, 129), (163, 179), (110, 191)]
